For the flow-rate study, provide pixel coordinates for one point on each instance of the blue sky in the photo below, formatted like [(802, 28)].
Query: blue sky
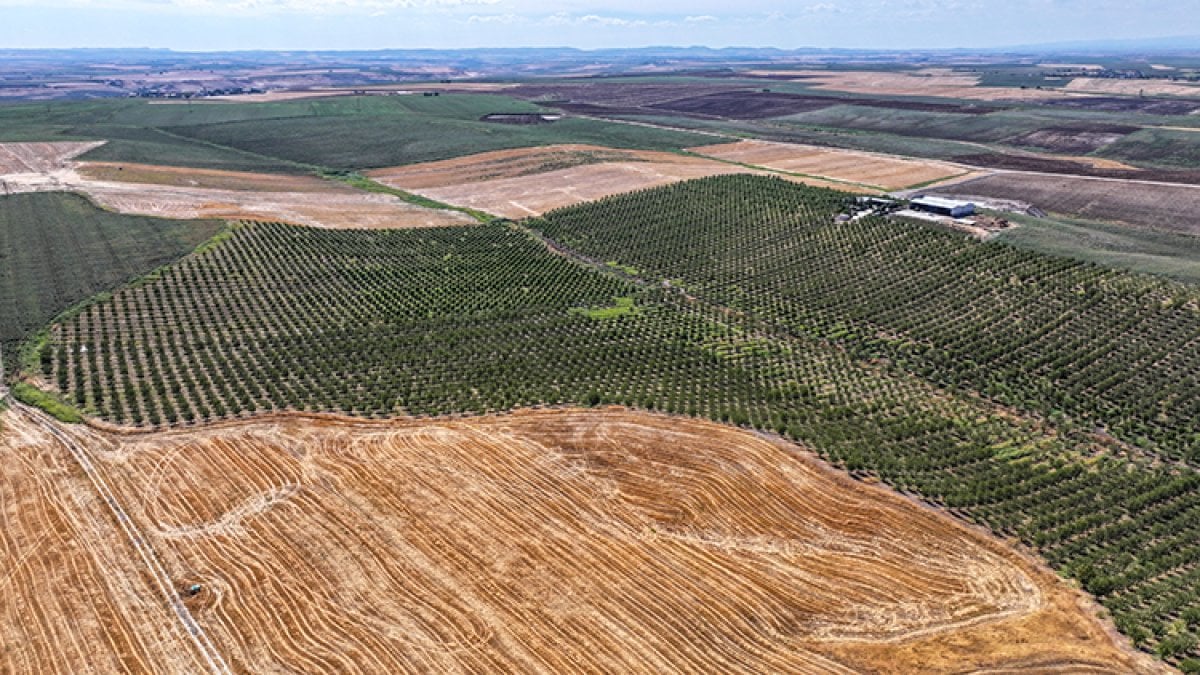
[(380, 24)]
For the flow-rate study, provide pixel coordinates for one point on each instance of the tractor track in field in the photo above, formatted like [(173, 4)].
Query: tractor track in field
[(211, 656)]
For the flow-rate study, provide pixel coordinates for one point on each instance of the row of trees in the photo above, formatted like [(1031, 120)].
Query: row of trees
[(479, 319)]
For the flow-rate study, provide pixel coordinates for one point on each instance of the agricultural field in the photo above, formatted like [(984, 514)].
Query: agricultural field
[(405, 385), (531, 181), (731, 298), (417, 132), (929, 82), (543, 541), (1168, 208), (58, 249), (839, 166), (190, 193)]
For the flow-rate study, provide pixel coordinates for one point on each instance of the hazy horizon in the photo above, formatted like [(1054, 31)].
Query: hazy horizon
[(218, 25)]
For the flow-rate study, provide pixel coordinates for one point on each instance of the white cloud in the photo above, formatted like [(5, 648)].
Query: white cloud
[(703, 18)]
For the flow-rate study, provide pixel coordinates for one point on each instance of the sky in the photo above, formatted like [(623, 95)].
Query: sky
[(203, 25)]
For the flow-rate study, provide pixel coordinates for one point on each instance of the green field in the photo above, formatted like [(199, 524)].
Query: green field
[(1138, 249), (1161, 147), (342, 133), (407, 129), (868, 341), (58, 249)]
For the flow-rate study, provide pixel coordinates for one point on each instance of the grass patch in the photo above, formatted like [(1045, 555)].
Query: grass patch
[(1176, 256), (622, 306), (31, 395)]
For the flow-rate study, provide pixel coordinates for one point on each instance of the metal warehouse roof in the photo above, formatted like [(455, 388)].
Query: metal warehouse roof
[(940, 203)]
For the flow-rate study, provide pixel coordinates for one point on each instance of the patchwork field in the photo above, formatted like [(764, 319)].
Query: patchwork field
[(532, 181), (885, 173), (1133, 87), (935, 82), (549, 541), (1170, 208), (176, 192)]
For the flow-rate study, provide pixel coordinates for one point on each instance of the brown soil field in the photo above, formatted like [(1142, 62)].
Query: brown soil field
[(532, 181), (20, 158), (544, 541), (1133, 87), (936, 82), (207, 178), (199, 193), (1078, 166), (74, 597), (1162, 207), (887, 173), (758, 104), (1077, 139)]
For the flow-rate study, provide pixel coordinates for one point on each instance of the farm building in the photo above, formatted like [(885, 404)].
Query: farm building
[(945, 207)]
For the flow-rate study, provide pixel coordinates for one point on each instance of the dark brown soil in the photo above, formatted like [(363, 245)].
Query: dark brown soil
[(1159, 207), (1065, 166), (515, 118), (1115, 104), (752, 104), (1074, 139)]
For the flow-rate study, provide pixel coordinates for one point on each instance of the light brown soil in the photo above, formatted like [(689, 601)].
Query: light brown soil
[(22, 158), (553, 541), (73, 596), (174, 192), (887, 173), (1097, 85), (175, 176), (936, 82), (531, 181)]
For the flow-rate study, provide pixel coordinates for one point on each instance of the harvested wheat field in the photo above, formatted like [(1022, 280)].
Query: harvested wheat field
[(74, 594), (175, 192), (878, 171), (936, 82), (559, 541), (531, 181)]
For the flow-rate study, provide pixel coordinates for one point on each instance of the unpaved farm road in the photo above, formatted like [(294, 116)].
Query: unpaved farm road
[(162, 580)]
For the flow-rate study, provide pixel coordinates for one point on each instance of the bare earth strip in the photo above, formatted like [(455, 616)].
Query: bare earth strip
[(937, 82), (200, 193), (73, 598), (33, 158), (531, 181), (888, 173), (1096, 85), (568, 541)]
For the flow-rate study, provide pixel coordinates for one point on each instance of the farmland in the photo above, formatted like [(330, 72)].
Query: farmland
[(771, 317), (57, 249), (1168, 208), (545, 541), (176, 192), (607, 372), (876, 171), (531, 181)]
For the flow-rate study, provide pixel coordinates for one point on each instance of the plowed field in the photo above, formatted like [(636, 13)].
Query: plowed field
[(841, 165), (175, 192), (938, 82), (544, 541), (531, 181)]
